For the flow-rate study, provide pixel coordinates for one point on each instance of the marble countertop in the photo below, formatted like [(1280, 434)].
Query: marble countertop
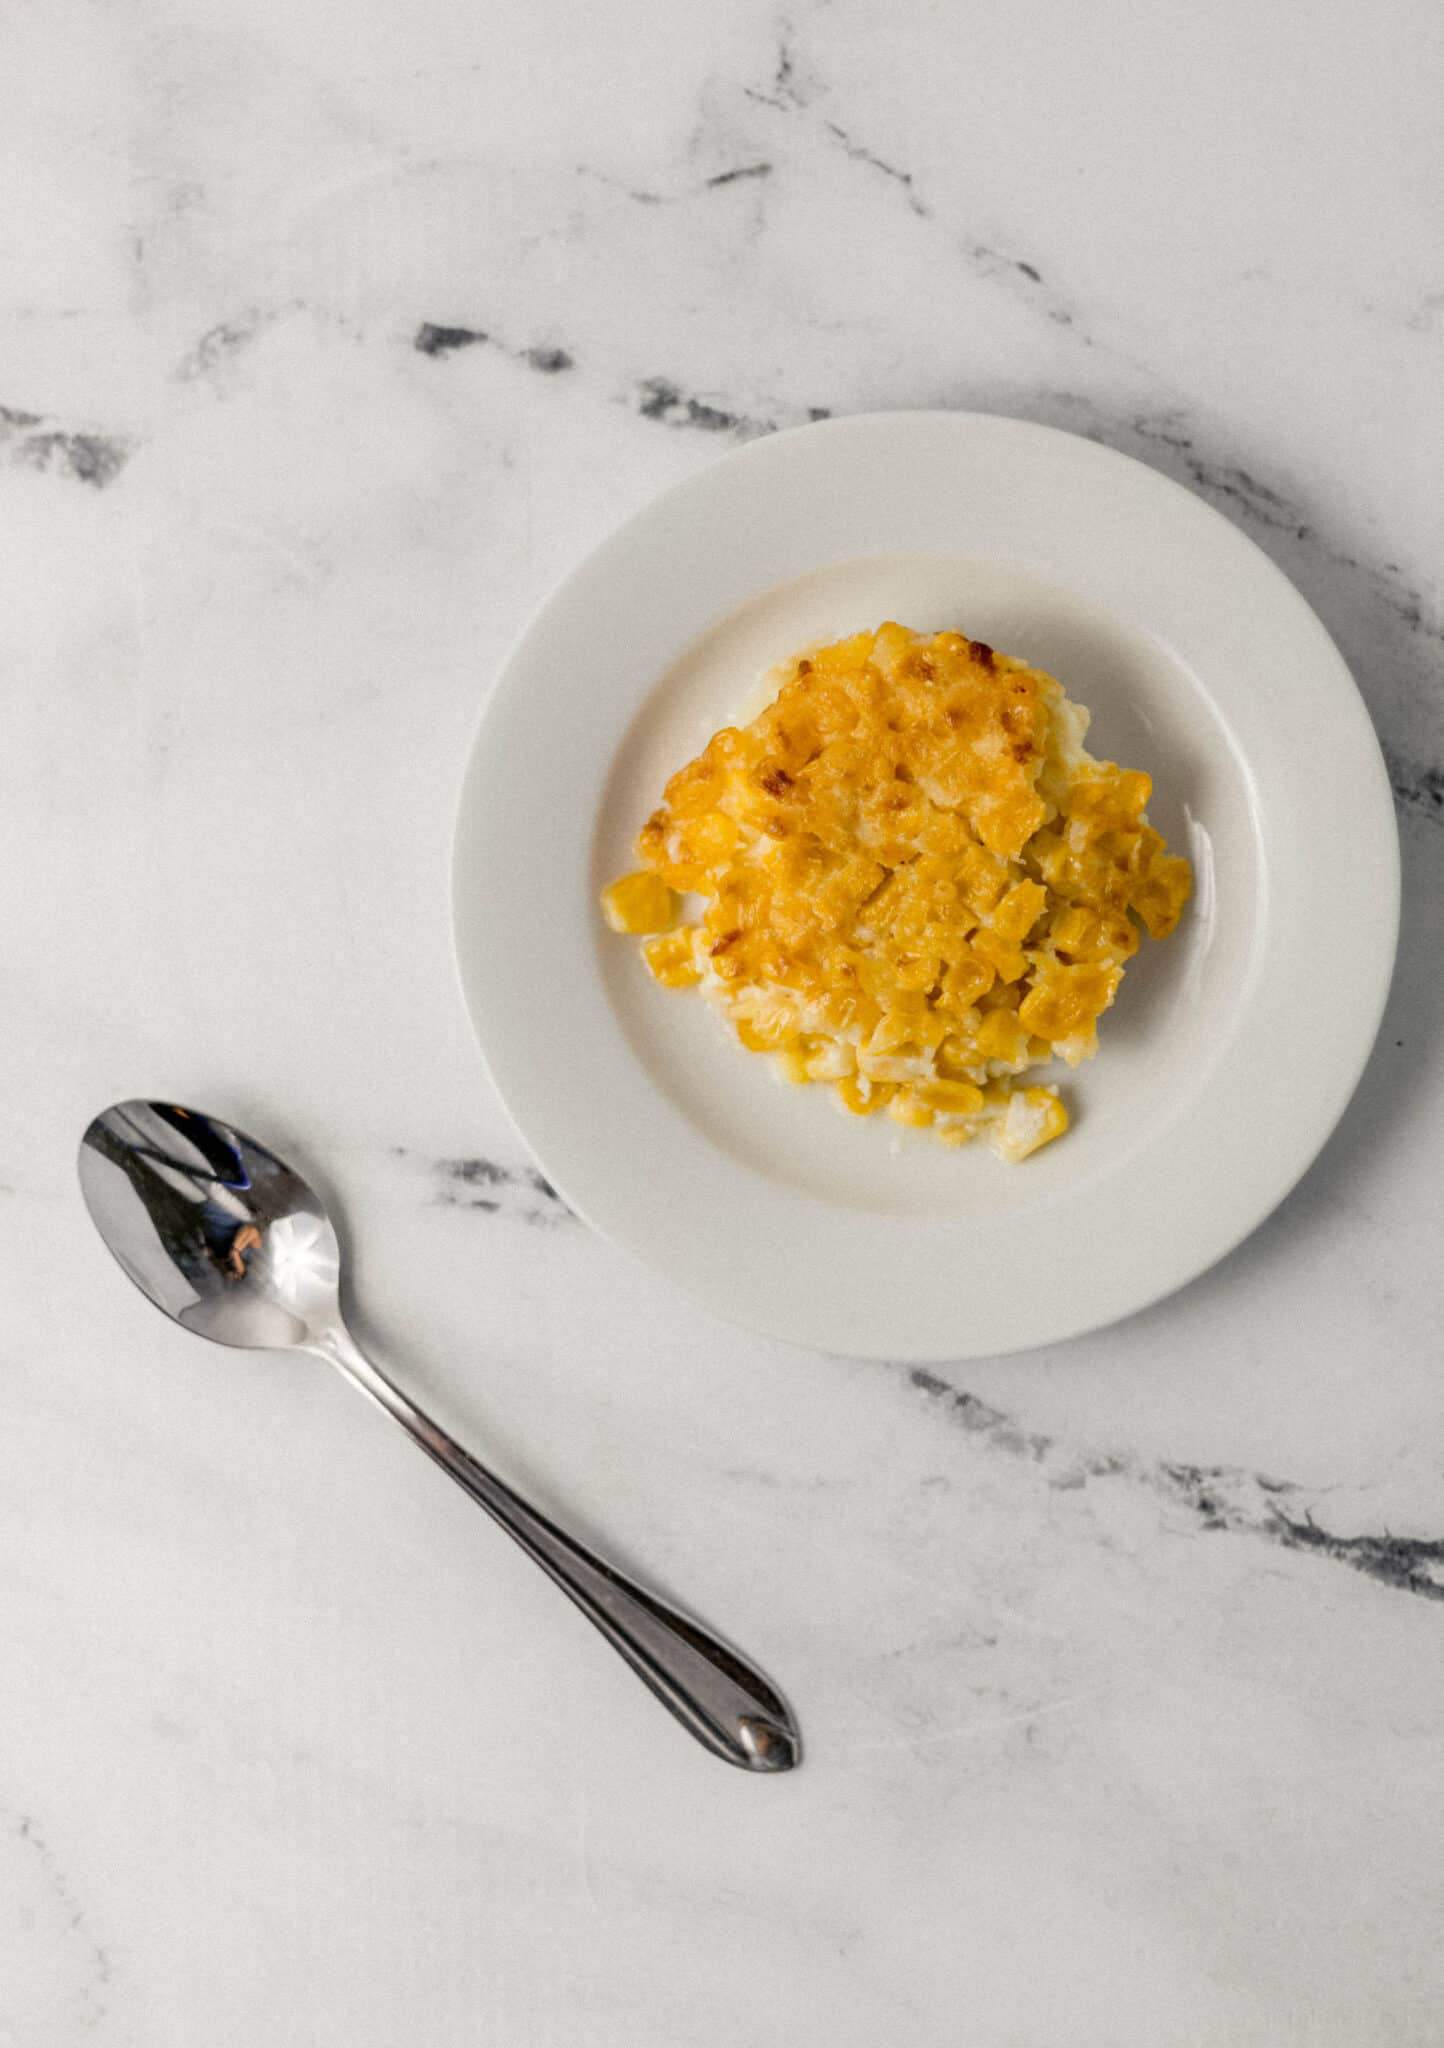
[(329, 340)]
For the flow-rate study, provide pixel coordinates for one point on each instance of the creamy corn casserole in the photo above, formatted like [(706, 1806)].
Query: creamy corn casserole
[(915, 884)]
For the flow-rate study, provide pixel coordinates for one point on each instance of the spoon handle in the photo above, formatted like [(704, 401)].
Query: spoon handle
[(725, 1701)]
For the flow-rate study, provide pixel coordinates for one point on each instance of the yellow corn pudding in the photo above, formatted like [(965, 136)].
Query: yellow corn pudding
[(906, 878)]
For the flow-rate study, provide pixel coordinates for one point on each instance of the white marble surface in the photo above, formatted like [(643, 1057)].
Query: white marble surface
[(1121, 1664)]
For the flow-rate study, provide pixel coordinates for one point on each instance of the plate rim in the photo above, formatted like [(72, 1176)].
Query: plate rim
[(1370, 764)]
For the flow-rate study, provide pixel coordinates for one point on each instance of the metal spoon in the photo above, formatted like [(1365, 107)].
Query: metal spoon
[(230, 1242)]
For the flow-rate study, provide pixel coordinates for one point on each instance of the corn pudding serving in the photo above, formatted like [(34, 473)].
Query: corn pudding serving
[(915, 884)]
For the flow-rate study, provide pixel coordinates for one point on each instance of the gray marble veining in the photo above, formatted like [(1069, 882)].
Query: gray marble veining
[(326, 346)]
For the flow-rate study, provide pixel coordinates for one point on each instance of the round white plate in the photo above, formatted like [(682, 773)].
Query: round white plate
[(1232, 1048)]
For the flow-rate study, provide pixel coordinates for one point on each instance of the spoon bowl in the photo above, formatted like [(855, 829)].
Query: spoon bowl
[(212, 1227), (229, 1241)]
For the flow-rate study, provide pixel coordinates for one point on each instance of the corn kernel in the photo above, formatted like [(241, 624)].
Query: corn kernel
[(958, 1057), (906, 1108), (771, 1038), (640, 902), (1033, 1118), (1001, 1036), (958, 1098), (1066, 1000), (1020, 910), (1008, 959), (861, 1097), (672, 960)]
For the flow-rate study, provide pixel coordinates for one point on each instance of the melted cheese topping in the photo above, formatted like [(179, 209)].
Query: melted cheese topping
[(916, 885)]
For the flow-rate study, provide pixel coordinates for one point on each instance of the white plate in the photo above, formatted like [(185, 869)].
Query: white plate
[(1232, 1048)]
